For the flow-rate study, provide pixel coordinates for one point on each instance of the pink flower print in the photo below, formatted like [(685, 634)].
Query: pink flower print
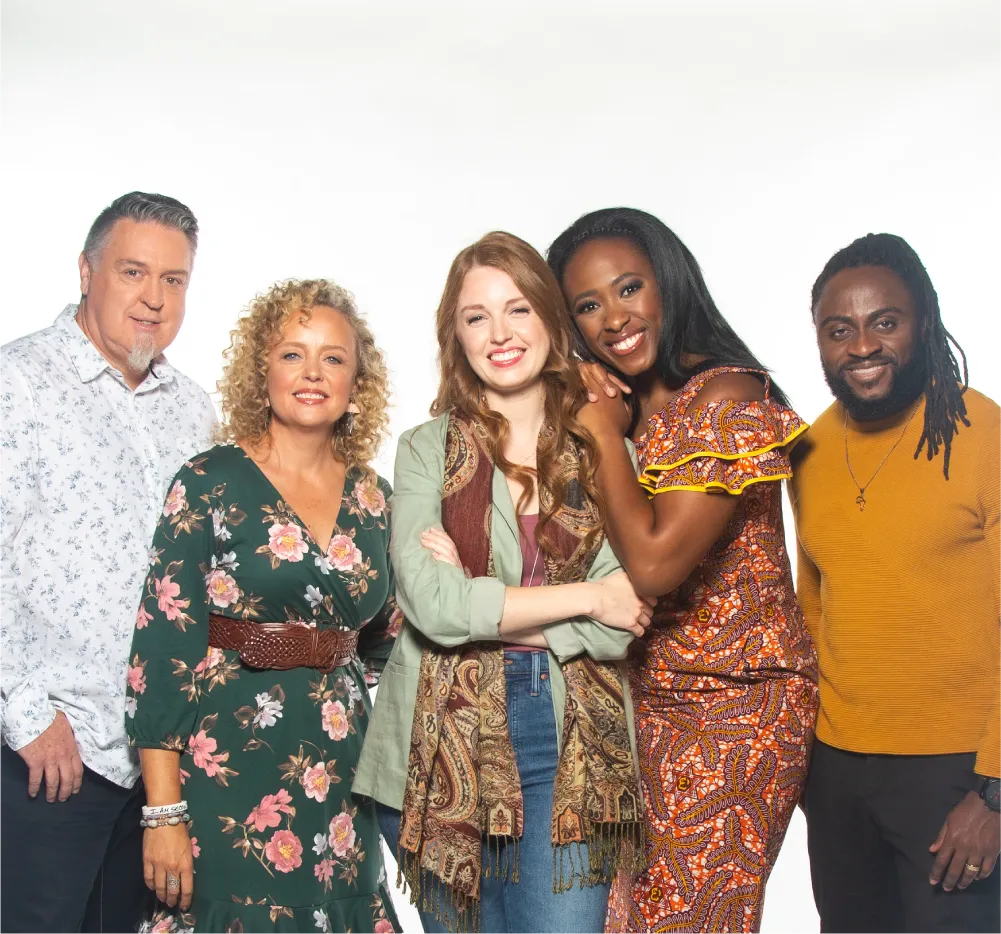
[(137, 679), (164, 925), (324, 869), (184, 776), (343, 553), (335, 719), (201, 746), (285, 541), (266, 814), (284, 850), (213, 658), (175, 500), (371, 499), (221, 588), (395, 622), (166, 591), (143, 618), (342, 834), (316, 782), (196, 850), (383, 926)]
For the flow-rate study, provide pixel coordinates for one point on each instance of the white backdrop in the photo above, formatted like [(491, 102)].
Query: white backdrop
[(369, 142)]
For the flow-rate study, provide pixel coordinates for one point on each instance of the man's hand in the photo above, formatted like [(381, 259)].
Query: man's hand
[(970, 837), (55, 756)]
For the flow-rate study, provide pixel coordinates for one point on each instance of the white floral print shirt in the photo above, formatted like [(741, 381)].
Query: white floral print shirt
[(86, 463)]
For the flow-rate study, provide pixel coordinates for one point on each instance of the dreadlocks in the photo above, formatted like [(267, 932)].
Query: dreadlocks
[(944, 404)]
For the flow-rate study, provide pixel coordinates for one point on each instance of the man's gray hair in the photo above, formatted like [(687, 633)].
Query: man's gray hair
[(143, 208)]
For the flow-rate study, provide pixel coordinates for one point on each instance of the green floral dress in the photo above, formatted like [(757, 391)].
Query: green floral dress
[(268, 757)]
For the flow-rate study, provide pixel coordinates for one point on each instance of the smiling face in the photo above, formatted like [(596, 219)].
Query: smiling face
[(134, 294), (869, 335), (502, 336), (616, 303), (312, 370)]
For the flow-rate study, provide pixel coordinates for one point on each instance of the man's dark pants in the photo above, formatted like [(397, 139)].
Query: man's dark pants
[(72, 865), (870, 821)]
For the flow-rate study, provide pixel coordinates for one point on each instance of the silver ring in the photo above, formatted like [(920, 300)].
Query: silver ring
[(172, 883)]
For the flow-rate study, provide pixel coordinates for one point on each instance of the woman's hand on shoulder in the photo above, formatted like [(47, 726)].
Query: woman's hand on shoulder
[(167, 853), (606, 413), (619, 606)]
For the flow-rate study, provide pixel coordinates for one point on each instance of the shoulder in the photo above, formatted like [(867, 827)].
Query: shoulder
[(977, 404), (728, 384), (31, 350), (217, 462), (425, 438)]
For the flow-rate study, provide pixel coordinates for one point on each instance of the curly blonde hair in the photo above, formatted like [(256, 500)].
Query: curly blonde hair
[(244, 385)]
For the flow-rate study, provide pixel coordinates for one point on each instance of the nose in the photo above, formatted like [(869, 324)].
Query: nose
[(865, 343), (311, 370), (152, 296), (616, 316), (500, 330)]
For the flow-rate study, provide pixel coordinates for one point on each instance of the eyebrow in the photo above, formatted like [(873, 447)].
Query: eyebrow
[(480, 307), (614, 282), (872, 316), (138, 262), (339, 347)]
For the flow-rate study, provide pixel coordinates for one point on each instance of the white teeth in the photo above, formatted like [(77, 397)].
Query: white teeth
[(628, 343), (309, 395), (506, 355)]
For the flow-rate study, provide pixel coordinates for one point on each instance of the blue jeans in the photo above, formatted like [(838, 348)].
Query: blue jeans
[(529, 904)]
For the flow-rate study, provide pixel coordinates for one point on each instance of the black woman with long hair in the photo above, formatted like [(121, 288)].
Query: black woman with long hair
[(724, 683)]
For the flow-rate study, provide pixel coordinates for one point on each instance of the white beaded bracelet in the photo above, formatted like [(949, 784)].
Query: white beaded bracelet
[(154, 822), (165, 810)]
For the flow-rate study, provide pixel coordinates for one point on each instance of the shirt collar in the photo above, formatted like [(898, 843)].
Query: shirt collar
[(90, 363)]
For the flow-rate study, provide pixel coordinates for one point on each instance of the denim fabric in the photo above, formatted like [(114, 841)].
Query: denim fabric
[(529, 904)]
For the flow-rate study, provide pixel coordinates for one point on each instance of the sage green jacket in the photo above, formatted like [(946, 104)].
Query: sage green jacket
[(444, 606)]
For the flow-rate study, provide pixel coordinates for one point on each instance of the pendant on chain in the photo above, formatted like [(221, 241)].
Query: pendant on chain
[(860, 499)]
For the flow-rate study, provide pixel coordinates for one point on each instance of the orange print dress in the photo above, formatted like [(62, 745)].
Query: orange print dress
[(724, 684)]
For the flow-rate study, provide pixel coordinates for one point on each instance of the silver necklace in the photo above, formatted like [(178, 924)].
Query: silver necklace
[(860, 499)]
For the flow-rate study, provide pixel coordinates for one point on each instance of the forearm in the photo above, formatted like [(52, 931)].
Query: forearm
[(533, 637), (161, 771), (529, 608)]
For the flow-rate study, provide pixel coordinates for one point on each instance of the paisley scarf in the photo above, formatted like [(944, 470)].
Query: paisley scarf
[(463, 787)]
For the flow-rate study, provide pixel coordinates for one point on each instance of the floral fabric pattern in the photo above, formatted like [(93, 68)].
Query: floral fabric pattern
[(724, 684), (267, 756)]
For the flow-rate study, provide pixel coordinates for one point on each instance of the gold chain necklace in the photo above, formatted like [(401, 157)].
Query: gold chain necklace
[(860, 499)]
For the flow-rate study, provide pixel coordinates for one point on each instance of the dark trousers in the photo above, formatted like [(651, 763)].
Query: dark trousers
[(71, 865), (870, 821)]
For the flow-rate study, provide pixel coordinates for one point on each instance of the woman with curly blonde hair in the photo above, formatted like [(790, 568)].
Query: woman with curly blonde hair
[(268, 602), (501, 751)]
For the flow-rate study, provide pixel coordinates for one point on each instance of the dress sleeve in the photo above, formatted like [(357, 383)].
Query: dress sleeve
[(989, 748), (375, 641), (726, 446), (171, 638)]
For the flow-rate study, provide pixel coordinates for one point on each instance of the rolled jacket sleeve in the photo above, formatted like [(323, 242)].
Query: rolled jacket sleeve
[(27, 708), (437, 598)]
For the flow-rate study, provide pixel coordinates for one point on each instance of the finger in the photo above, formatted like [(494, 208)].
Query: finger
[(939, 840), (148, 874), (945, 852), (173, 890), (35, 773), (650, 602), (591, 397), (77, 773), (987, 868), (160, 883), (955, 870), (611, 390), (187, 889), (51, 781), (65, 767), (618, 382), (968, 876)]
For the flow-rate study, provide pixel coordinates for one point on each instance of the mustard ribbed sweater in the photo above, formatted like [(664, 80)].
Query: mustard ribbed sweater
[(902, 598)]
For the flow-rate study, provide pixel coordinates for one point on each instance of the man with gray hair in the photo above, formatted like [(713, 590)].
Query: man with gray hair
[(93, 424)]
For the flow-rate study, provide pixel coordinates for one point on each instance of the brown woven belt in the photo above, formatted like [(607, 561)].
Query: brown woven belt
[(283, 645)]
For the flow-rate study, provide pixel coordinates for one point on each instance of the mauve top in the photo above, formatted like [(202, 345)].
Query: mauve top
[(533, 567)]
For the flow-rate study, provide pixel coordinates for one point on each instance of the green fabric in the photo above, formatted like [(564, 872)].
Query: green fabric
[(441, 604), (270, 755)]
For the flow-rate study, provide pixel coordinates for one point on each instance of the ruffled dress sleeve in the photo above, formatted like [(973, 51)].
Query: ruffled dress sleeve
[(725, 446)]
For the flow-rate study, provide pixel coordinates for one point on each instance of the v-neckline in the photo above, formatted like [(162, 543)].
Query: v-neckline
[(293, 511)]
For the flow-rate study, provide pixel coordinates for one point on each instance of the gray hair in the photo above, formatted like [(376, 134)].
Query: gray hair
[(143, 208)]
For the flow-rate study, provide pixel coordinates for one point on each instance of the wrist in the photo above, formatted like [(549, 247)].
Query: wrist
[(591, 599)]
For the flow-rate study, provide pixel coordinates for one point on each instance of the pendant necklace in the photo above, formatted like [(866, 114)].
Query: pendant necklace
[(860, 499)]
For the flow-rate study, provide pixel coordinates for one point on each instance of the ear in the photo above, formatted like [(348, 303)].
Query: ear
[(84, 267), (353, 408)]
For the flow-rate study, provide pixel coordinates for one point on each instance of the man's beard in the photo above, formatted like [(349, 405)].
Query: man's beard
[(142, 354), (909, 381)]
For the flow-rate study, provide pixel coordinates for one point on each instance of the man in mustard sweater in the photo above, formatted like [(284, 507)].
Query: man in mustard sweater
[(896, 497)]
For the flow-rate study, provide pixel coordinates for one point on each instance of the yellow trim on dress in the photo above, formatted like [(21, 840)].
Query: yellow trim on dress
[(649, 484)]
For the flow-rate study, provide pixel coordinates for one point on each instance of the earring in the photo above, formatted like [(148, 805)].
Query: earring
[(348, 423)]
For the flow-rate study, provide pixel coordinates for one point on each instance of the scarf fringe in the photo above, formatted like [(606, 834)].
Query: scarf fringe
[(610, 847)]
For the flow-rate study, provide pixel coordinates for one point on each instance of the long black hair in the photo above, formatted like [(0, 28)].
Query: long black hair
[(945, 407), (691, 322)]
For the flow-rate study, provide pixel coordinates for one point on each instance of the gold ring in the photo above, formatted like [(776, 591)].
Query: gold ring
[(972, 868)]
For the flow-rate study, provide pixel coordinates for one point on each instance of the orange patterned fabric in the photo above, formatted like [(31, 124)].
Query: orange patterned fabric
[(724, 685)]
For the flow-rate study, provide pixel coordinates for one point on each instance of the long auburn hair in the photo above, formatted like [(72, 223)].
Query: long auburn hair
[(461, 390)]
